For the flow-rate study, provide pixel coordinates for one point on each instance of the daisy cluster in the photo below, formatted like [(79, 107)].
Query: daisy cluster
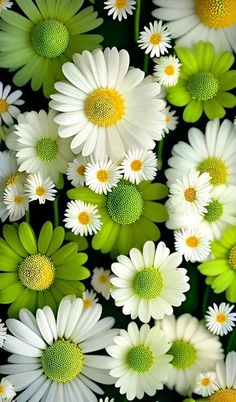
[(113, 216)]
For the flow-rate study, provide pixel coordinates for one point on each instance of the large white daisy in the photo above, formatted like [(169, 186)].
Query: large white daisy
[(52, 358), (193, 20), (8, 102), (106, 107)]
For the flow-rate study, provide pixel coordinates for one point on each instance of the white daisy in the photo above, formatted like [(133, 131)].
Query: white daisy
[(140, 363), (101, 281), (205, 384), (190, 194), (219, 319), (75, 171), (119, 8), (107, 400), (193, 243), (89, 298), (194, 349), (170, 120), (107, 107), (148, 284), (8, 103), (16, 201), (38, 146), (101, 176), (213, 152), (82, 218), (7, 392), (5, 4), (52, 358), (3, 332), (194, 20), (139, 165), (166, 70), (38, 188), (155, 39)]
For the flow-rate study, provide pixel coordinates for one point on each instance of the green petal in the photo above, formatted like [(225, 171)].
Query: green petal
[(56, 240), (218, 250), (226, 99), (187, 58), (43, 8), (64, 253), (24, 75), (45, 237), (231, 291), (7, 251), (209, 280), (82, 242), (125, 239), (150, 229), (9, 263), (87, 195), (7, 280), (144, 184), (70, 9), (27, 238), (30, 10), (213, 267), (155, 191), (71, 272), (11, 236), (50, 300), (57, 294), (222, 282), (41, 302), (16, 58), (10, 294), (17, 20), (193, 111), (178, 96), (139, 236), (111, 239), (228, 239), (222, 63), (27, 299), (100, 238), (205, 55), (227, 80), (213, 109), (69, 287), (155, 212)]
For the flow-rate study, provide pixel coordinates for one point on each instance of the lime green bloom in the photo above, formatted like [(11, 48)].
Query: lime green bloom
[(38, 272), (128, 214), (38, 45), (221, 271), (203, 82)]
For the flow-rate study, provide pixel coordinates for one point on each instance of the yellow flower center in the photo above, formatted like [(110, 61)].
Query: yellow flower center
[(102, 175), (121, 4), (224, 395), (18, 199), (83, 218), (87, 303), (169, 69), (36, 272), (102, 278), (205, 381), (221, 318), (216, 13), (155, 39), (105, 107), (2, 388), (3, 106), (232, 257), (80, 170), (12, 179), (168, 119), (216, 169), (136, 165), (190, 194), (192, 241), (40, 191)]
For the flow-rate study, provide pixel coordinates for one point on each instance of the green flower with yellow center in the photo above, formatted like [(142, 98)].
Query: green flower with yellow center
[(35, 273)]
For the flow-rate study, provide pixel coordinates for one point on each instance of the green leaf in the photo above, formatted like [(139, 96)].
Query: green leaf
[(45, 237), (11, 236), (155, 212), (193, 111), (56, 240), (155, 191), (27, 238)]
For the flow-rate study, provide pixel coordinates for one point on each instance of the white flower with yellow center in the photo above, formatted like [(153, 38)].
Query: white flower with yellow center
[(219, 319), (82, 218), (89, 298), (140, 364), (3, 332), (193, 244), (5, 4), (40, 189), (166, 70), (53, 357), (171, 121), (148, 284), (75, 171), (155, 39), (8, 103), (16, 201), (193, 348), (7, 392), (120, 8), (101, 282), (205, 384), (139, 165), (213, 152), (194, 20), (102, 176), (106, 107)]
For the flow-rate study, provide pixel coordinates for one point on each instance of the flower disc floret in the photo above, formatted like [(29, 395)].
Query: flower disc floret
[(232, 257), (216, 13), (184, 354), (50, 38), (216, 169), (214, 211), (203, 86), (148, 283), (46, 149), (140, 358), (224, 395), (36, 272)]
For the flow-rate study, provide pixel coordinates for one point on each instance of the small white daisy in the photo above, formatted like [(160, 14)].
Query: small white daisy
[(89, 298), (107, 400), (3, 332), (101, 176), (75, 171), (167, 71), (155, 39), (101, 282), (8, 103), (82, 218), (120, 8), (7, 392), (16, 201), (38, 188), (139, 165), (170, 120), (5, 4), (205, 384), (219, 319), (193, 243)]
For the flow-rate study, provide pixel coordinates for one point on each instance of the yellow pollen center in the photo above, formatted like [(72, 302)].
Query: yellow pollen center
[(190, 194), (40, 191), (102, 278), (216, 13), (3, 106), (224, 395), (18, 200), (80, 170), (205, 381), (87, 303), (102, 175), (120, 4), (136, 165), (36, 272), (168, 119), (221, 318), (84, 218), (232, 257), (2, 388), (12, 179), (169, 69), (192, 241), (105, 107), (155, 39)]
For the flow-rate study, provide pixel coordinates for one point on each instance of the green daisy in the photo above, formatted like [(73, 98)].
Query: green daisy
[(221, 270), (203, 82), (39, 44), (128, 214), (38, 272)]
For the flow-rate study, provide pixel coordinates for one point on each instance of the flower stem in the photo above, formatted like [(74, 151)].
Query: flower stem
[(205, 300), (232, 342), (159, 154), (137, 20), (27, 216), (145, 64), (56, 211)]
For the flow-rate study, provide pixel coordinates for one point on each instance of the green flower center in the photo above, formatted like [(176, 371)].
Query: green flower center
[(214, 211), (62, 361), (184, 354), (140, 358), (36, 272), (148, 283), (203, 86), (232, 257), (50, 38), (125, 203), (216, 169), (46, 149)]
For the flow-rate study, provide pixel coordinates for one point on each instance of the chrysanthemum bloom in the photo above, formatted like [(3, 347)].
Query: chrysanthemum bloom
[(193, 20), (220, 319), (204, 82), (205, 383), (102, 176), (7, 392), (42, 41), (193, 348), (3, 332), (213, 152), (106, 107), (148, 284), (221, 269), (82, 218), (139, 165), (155, 39), (8, 103), (120, 8), (53, 357), (193, 243), (140, 363), (39, 272), (128, 214), (167, 70), (40, 189)]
